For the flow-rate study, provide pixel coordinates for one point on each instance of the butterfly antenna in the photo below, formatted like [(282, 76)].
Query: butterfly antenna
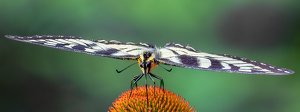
[(165, 68), (125, 68)]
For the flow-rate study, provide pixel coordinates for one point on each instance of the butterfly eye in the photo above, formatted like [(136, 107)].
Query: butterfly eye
[(147, 54)]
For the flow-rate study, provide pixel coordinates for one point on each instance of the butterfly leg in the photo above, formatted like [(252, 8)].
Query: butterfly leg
[(161, 80), (153, 82), (135, 79), (146, 89)]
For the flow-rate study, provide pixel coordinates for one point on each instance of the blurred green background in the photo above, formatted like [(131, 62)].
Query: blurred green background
[(40, 79)]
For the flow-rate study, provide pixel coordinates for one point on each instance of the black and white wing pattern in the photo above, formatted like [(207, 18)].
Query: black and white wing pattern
[(171, 54), (112, 48), (186, 56)]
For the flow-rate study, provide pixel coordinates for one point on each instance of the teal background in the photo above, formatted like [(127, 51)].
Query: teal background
[(40, 79)]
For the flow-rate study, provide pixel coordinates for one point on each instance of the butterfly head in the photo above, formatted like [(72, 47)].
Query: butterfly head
[(147, 62)]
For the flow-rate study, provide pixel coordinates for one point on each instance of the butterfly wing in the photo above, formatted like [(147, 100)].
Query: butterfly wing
[(186, 56), (112, 48)]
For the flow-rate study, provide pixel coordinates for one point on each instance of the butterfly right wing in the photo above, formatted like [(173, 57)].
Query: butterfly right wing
[(187, 57)]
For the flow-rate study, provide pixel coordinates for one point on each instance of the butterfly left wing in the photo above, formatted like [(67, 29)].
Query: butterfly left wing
[(112, 48), (186, 56)]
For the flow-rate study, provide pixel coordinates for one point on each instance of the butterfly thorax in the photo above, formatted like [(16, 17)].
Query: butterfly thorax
[(147, 62)]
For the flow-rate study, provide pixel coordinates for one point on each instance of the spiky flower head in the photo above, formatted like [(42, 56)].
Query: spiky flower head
[(161, 101)]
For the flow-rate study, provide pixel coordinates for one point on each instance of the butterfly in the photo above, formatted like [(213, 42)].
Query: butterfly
[(150, 56)]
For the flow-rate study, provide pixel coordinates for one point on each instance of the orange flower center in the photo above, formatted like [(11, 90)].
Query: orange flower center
[(161, 100)]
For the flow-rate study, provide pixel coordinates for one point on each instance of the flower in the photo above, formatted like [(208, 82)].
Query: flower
[(162, 101)]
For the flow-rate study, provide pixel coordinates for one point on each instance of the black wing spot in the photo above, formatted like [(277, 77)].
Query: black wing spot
[(107, 52), (189, 60), (215, 64), (79, 47), (234, 68), (61, 45), (38, 42), (256, 71)]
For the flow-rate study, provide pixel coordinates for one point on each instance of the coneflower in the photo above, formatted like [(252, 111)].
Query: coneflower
[(161, 101)]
